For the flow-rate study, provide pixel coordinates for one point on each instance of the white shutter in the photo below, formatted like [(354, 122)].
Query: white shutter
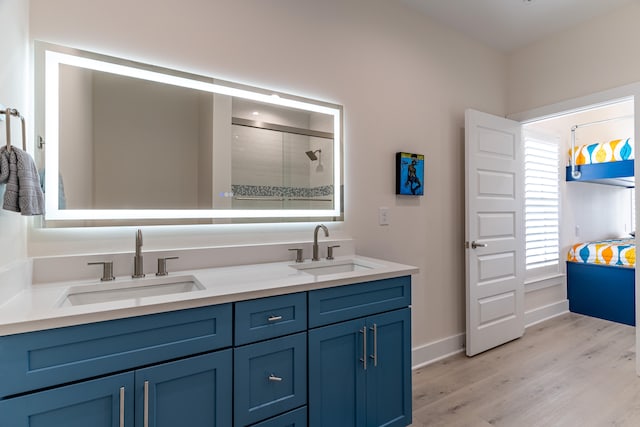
[(542, 207)]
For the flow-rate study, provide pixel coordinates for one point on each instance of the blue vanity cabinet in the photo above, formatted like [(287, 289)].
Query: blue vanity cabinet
[(337, 356), (170, 366), (360, 369)]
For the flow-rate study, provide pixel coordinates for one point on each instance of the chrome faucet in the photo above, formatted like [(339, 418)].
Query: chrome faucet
[(316, 256), (138, 270)]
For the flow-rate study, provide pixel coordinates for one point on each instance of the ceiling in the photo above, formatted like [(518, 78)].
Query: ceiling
[(507, 25)]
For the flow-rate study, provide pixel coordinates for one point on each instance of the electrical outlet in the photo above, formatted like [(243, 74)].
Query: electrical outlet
[(383, 216)]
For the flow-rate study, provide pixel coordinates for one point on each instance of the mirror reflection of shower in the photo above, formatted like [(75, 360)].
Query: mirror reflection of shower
[(313, 157)]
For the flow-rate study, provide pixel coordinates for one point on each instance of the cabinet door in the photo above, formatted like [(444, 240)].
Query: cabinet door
[(337, 374), (389, 370), (105, 402), (194, 392)]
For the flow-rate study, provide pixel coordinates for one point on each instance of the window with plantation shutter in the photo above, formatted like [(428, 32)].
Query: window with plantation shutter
[(542, 205)]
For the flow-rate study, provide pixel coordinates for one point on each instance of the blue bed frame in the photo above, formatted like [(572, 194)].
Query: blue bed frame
[(602, 291), (620, 173)]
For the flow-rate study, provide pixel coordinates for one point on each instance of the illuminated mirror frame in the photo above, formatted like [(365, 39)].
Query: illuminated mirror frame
[(52, 61)]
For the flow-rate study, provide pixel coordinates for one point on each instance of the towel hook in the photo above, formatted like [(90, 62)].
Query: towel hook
[(13, 112)]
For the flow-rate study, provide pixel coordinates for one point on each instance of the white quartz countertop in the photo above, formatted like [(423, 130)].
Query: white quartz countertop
[(41, 306)]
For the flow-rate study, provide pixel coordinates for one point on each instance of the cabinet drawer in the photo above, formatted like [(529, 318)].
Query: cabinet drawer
[(42, 359), (297, 418), (265, 318), (270, 378), (341, 303)]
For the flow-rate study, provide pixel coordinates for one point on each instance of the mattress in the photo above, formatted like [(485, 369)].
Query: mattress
[(614, 252), (603, 152)]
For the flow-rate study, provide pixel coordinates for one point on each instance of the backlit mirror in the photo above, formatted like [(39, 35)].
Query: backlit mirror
[(128, 143)]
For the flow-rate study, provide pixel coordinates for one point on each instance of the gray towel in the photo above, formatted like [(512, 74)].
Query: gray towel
[(22, 193)]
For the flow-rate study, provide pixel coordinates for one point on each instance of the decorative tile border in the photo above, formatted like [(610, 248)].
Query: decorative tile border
[(276, 191)]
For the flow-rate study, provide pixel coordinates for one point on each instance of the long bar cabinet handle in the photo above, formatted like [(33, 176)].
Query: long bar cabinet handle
[(121, 406), (146, 404), (374, 356), (363, 331)]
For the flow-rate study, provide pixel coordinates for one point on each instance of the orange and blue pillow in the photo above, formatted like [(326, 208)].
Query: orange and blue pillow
[(603, 152)]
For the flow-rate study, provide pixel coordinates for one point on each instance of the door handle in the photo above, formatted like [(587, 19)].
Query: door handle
[(475, 245)]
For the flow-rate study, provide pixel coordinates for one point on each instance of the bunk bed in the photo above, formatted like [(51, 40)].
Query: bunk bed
[(609, 163), (601, 274), (601, 279)]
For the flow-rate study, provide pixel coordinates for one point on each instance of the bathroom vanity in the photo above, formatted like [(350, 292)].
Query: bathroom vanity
[(276, 344), (270, 344)]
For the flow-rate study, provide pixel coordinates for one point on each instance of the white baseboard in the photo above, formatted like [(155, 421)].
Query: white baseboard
[(545, 312), (434, 351), (437, 350)]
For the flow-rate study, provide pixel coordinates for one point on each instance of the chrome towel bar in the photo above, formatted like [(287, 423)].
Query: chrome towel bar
[(13, 112)]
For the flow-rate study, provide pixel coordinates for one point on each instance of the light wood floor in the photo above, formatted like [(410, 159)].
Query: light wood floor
[(573, 371)]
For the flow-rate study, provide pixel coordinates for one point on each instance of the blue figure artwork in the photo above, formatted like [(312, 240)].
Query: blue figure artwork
[(409, 174)]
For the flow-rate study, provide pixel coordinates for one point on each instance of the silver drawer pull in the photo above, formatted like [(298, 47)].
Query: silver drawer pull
[(274, 318), (274, 378)]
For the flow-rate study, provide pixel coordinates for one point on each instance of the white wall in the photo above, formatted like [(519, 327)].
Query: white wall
[(14, 80), (597, 55), (404, 81)]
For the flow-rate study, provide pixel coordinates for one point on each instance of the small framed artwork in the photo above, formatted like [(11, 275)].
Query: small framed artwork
[(410, 174)]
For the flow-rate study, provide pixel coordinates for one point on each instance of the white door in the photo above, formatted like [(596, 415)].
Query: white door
[(494, 232)]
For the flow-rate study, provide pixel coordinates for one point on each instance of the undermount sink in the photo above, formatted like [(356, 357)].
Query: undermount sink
[(129, 289), (319, 268)]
